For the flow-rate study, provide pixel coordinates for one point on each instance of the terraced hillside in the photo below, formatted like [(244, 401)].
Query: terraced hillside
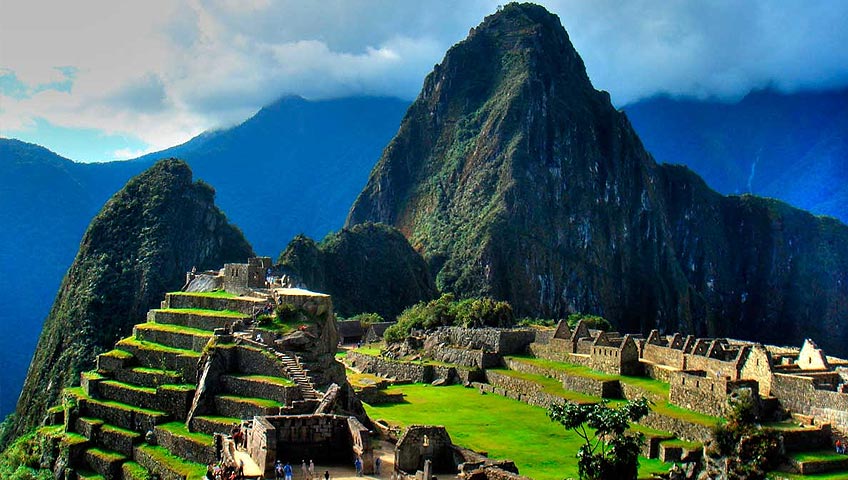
[(180, 379)]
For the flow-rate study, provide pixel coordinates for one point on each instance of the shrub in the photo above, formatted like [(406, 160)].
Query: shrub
[(447, 311), (592, 321)]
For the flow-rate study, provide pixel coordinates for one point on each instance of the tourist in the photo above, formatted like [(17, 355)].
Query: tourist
[(304, 469), (287, 470), (377, 463), (326, 475), (358, 465), (311, 469), (210, 473), (278, 470), (840, 448)]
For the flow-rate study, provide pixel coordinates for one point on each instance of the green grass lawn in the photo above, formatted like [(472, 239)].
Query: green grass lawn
[(815, 476), (550, 386), (505, 428)]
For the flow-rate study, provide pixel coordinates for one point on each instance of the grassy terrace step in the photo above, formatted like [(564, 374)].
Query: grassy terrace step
[(159, 460), (134, 471), (105, 462), (819, 461), (197, 319), (212, 301), (118, 439), (89, 475), (116, 413), (156, 355), (243, 407), (192, 446), (210, 424), (114, 360), (146, 377), (550, 386), (261, 386), (176, 336)]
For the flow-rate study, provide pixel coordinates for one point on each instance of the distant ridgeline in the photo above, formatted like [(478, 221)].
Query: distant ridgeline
[(516, 179)]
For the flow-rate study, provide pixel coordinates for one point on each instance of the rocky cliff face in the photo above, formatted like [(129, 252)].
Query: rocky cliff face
[(515, 178), (137, 248), (366, 268)]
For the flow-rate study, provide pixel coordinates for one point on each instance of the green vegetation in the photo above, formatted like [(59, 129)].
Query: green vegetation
[(118, 430), (21, 459), (686, 445), (192, 471), (179, 429), (566, 368), (129, 386), (134, 471), (364, 319), (609, 451), (748, 451), (503, 427), (369, 350), (166, 327), (158, 347), (203, 312), (119, 354), (446, 310), (106, 455), (535, 322), (817, 456), (592, 321)]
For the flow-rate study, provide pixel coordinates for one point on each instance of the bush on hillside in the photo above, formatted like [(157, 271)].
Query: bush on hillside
[(447, 311)]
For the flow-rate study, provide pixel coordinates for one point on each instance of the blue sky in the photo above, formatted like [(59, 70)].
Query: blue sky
[(103, 80)]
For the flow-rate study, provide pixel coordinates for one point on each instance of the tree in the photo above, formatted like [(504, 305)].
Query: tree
[(608, 452)]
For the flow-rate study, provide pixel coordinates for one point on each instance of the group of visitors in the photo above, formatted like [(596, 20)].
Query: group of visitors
[(223, 471), (840, 447), (284, 471), (239, 435)]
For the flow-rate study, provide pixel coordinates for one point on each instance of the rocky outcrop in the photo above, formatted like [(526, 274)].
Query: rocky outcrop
[(516, 179), (138, 247), (365, 268)]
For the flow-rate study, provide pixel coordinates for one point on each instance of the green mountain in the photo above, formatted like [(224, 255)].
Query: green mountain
[(366, 268), (138, 247), (515, 178)]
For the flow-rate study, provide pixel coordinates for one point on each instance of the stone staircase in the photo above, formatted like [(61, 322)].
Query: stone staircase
[(148, 383)]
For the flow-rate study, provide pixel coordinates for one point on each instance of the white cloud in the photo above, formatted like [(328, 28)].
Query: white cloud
[(165, 70)]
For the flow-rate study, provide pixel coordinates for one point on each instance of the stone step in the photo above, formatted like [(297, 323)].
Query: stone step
[(176, 336), (114, 360), (88, 475), (122, 415), (160, 462), (105, 462), (192, 446), (245, 407), (118, 439), (205, 301), (280, 389), (211, 425), (133, 471), (821, 461), (146, 377), (127, 393), (202, 320), (156, 355)]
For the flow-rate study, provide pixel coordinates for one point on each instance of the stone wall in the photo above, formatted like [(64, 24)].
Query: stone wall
[(680, 428), (494, 340), (203, 322), (518, 389), (705, 394), (464, 357), (664, 356), (798, 394), (758, 366), (187, 449), (557, 350), (322, 438), (411, 372), (242, 305), (588, 386), (425, 442)]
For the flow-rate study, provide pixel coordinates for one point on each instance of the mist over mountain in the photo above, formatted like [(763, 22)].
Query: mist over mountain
[(515, 178), (793, 147), (294, 167)]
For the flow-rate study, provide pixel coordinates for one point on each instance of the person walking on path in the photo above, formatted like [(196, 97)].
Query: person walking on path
[(326, 475), (377, 464), (278, 470), (358, 465), (311, 469), (840, 448), (287, 470), (304, 469)]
